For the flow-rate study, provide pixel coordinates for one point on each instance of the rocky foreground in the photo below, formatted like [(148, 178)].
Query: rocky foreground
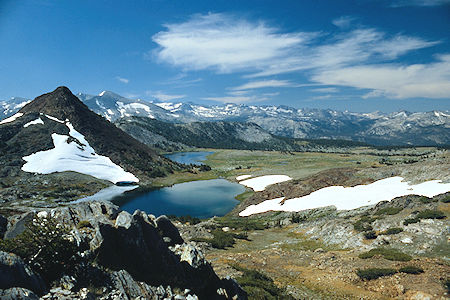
[(95, 251)]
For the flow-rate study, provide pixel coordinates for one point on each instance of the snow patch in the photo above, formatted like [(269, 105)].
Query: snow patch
[(242, 177), (54, 119), (346, 198), (77, 156), (34, 122), (11, 119), (260, 183)]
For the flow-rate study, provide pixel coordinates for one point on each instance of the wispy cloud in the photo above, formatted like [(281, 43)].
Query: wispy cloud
[(360, 58), (397, 81), (123, 80), (264, 84), (399, 3), (343, 22), (326, 90), (225, 44), (164, 97)]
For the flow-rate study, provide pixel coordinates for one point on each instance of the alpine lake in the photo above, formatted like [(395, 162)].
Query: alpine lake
[(201, 199)]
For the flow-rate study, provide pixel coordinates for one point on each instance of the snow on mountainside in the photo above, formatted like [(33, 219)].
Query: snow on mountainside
[(11, 106), (72, 152), (400, 128)]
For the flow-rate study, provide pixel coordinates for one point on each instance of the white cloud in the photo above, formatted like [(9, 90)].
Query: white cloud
[(399, 3), (264, 84), (343, 22), (326, 90), (224, 43), (165, 97), (358, 58), (398, 81), (123, 80)]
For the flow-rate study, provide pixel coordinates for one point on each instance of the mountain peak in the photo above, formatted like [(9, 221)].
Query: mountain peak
[(60, 103)]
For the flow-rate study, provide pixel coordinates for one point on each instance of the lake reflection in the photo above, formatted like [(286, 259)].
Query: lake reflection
[(202, 199)]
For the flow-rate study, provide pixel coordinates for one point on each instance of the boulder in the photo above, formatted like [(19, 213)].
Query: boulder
[(17, 293), (15, 273), (168, 231), (20, 225), (3, 226)]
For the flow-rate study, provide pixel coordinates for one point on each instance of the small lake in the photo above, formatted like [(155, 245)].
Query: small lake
[(189, 157), (201, 199)]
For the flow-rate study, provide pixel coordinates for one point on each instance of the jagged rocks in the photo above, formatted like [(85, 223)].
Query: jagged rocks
[(168, 231), (3, 226), (17, 293), (15, 273)]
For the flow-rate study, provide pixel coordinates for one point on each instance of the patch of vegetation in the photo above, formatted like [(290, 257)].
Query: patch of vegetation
[(389, 211), (46, 246), (245, 195), (185, 219), (364, 224), (446, 199), (411, 270), (387, 253), (220, 240), (447, 285), (243, 224), (304, 243), (84, 224), (431, 214), (426, 200), (259, 286), (393, 230), (374, 273), (370, 235), (425, 214)]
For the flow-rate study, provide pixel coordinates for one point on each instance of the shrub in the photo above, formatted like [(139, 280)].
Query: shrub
[(393, 230), (244, 224), (258, 285), (430, 214), (374, 273), (411, 270), (387, 253), (426, 200), (363, 224), (220, 240), (46, 246), (84, 224), (446, 199), (406, 222), (370, 235), (389, 211)]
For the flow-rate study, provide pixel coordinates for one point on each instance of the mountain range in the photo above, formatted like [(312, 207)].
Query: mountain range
[(399, 128)]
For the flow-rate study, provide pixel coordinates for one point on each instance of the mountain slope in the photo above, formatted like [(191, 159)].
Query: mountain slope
[(60, 122), (219, 135)]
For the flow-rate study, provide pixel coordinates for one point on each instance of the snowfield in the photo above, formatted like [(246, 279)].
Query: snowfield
[(11, 119), (34, 122), (242, 177), (77, 156), (260, 183), (346, 198)]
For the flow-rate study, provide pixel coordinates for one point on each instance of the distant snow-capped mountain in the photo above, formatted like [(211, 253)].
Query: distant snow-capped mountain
[(11, 106), (399, 128)]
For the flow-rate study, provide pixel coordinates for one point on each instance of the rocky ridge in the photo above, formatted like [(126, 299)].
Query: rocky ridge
[(116, 256)]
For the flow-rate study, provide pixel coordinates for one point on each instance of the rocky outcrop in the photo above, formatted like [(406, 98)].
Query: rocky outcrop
[(132, 257), (15, 273)]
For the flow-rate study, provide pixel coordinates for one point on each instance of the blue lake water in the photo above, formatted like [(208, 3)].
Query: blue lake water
[(202, 199), (189, 157)]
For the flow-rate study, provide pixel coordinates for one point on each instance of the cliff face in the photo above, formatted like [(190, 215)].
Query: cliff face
[(105, 251)]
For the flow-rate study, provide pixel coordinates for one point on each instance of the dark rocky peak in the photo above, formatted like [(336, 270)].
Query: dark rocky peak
[(60, 103)]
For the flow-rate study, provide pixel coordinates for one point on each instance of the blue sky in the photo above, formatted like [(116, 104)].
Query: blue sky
[(361, 55)]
